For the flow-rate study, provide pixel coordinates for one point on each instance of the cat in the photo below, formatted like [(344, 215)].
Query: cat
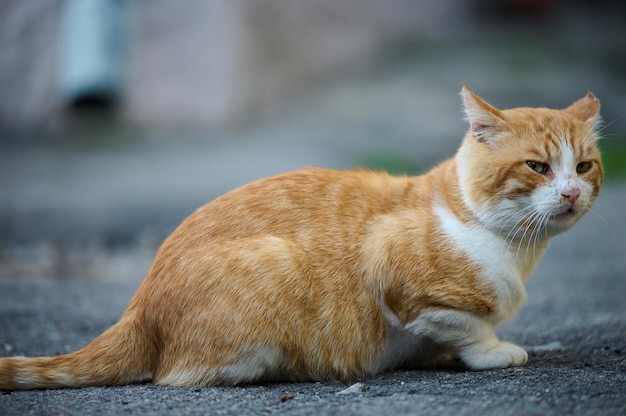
[(325, 275)]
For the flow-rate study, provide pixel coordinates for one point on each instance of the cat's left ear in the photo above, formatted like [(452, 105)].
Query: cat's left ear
[(586, 109), (485, 120)]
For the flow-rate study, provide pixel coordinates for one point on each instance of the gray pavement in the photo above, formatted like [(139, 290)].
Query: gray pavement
[(80, 219)]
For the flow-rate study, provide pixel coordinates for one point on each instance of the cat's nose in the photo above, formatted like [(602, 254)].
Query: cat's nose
[(571, 194)]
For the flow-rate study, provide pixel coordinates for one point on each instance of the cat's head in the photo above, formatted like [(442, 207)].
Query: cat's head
[(530, 173)]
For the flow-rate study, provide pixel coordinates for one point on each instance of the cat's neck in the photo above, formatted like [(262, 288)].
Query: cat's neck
[(522, 251), (449, 193)]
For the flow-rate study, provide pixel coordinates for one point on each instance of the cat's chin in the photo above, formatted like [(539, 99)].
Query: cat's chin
[(565, 216), (562, 221)]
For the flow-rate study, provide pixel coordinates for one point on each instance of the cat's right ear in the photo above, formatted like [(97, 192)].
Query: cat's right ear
[(586, 109), (485, 121)]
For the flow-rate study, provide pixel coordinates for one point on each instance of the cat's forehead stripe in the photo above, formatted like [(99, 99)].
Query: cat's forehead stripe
[(568, 157)]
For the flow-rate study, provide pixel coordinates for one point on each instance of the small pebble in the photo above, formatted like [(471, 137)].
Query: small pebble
[(286, 397), (551, 346), (355, 388)]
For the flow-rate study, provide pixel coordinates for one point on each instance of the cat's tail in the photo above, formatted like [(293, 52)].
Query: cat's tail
[(121, 355)]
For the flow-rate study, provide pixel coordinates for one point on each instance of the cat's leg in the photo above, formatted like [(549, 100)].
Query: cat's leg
[(470, 337)]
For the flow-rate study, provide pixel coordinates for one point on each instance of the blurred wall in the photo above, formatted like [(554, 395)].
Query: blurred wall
[(28, 62), (204, 62), (198, 61)]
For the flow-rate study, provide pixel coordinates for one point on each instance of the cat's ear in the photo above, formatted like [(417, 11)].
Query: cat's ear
[(586, 109), (485, 120)]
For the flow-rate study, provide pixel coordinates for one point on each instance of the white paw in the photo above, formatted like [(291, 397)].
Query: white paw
[(502, 355)]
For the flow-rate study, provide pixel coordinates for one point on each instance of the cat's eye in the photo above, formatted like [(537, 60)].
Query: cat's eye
[(538, 167), (583, 167)]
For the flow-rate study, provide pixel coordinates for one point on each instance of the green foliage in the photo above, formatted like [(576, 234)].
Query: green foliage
[(614, 157), (394, 163)]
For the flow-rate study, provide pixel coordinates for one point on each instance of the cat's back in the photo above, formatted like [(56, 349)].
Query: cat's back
[(311, 203)]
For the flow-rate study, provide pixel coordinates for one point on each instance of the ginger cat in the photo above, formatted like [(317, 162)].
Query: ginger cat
[(318, 274)]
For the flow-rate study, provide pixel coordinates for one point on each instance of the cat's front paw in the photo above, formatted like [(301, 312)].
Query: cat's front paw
[(502, 355)]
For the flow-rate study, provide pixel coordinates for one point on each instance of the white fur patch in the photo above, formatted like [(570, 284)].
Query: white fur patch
[(24, 377), (568, 160), (450, 326), (254, 364), (492, 254)]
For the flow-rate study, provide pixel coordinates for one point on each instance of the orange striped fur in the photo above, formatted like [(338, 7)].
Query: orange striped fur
[(319, 274)]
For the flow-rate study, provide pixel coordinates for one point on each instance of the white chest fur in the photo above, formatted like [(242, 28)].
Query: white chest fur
[(505, 267)]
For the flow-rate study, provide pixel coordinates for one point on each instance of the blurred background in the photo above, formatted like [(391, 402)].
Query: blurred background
[(118, 118)]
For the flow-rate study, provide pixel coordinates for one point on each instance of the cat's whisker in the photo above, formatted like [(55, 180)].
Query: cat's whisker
[(544, 226), (514, 235), (604, 126), (533, 225), (513, 217), (522, 223), (609, 137)]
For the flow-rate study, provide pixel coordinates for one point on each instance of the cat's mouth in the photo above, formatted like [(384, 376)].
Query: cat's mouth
[(564, 215)]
